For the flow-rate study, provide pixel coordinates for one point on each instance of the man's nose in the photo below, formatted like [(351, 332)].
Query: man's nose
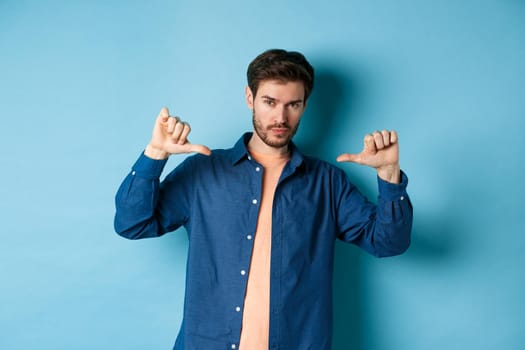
[(281, 115)]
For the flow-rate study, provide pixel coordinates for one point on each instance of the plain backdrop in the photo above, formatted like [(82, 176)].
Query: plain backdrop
[(81, 83)]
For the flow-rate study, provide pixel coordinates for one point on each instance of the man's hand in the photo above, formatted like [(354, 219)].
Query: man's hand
[(381, 151), (170, 136)]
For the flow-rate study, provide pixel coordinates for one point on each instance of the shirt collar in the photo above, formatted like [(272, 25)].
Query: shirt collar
[(240, 151)]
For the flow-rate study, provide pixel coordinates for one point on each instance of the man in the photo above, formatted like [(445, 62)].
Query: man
[(262, 218)]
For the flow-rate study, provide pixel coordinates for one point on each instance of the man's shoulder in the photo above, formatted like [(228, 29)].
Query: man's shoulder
[(319, 165), (221, 155), (217, 156), (328, 174)]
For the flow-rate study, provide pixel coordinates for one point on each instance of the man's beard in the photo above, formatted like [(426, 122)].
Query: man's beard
[(276, 142)]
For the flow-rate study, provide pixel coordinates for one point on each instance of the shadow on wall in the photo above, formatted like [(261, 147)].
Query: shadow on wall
[(435, 237), (318, 126), (324, 107)]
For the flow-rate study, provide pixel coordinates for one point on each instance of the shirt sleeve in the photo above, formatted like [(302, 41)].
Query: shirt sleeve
[(383, 229), (141, 208)]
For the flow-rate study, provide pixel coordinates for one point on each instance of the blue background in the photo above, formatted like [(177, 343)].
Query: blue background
[(82, 81)]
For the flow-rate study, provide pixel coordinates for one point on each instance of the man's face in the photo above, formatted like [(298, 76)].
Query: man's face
[(277, 109)]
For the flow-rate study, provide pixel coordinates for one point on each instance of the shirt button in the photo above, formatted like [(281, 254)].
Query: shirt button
[(233, 346), (238, 309), (133, 172), (249, 237), (249, 157), (401, 198), (257, 169), (243, 272), (254, 201)]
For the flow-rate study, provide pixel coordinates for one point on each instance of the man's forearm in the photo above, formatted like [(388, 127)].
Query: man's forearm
[(136, 199)]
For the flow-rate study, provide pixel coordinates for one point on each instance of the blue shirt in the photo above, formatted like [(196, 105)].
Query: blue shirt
[(216, 199)]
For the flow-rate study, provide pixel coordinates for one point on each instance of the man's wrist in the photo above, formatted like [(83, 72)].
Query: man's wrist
[(155, 153), (390, 173)]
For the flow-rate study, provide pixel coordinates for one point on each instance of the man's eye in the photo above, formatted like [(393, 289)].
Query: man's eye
[(269, 102)]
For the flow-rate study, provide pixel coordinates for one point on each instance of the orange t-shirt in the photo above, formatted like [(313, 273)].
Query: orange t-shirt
[(256, 315)]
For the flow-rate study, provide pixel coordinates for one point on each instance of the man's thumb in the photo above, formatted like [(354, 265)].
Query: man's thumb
[(200, 149), (347, 157)]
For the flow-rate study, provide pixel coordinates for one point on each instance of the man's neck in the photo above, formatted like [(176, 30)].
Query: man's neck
[(257, 145)]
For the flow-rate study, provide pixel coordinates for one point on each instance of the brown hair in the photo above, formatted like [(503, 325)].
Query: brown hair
[(278, 64)]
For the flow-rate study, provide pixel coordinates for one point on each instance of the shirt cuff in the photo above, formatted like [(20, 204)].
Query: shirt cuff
[(393, 192), (148, 168)]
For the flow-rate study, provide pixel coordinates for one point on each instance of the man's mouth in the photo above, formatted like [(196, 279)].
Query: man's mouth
[(279, 129)]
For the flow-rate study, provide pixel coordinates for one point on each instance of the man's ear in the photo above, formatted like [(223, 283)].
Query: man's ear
[(249, 97)]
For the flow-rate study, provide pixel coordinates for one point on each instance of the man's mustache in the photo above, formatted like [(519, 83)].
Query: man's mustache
[(281, 126)]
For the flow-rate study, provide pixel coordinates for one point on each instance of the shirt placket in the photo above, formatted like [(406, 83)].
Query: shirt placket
[(255, 172)]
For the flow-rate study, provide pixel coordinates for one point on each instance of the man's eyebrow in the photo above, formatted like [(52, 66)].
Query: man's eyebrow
[(276, 100)]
